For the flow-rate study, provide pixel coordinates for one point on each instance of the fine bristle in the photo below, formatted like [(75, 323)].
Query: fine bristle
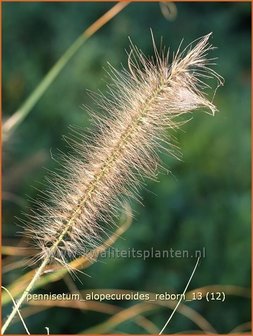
[(142, 103)]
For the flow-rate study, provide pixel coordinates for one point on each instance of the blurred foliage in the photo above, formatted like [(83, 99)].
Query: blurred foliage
[(204, 202)]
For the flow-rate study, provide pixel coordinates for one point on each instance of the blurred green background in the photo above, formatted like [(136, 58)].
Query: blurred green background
[(205, 202)]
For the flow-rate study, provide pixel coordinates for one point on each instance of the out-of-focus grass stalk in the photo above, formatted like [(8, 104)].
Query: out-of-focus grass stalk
[(127, 314), (99, 307), (131, 312), (11, 123)]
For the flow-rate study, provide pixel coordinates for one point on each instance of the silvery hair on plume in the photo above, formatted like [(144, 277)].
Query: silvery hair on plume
[(141, 104)]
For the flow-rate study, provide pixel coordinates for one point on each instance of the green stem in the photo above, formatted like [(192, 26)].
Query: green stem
[(25, 293)]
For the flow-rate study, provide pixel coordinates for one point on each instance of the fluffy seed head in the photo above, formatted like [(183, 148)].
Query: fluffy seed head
[(142, 103)]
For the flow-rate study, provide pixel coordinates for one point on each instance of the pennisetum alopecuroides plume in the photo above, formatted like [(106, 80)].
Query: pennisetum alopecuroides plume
[(142, 103)]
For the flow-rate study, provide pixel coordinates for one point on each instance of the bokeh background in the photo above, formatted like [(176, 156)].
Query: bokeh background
[(203, 203)]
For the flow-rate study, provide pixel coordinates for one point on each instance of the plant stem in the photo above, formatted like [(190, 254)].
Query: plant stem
[(25, 293), (34, 279), (11, 123)]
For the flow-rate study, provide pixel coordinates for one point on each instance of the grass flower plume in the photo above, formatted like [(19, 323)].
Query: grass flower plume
[(144, 101)]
